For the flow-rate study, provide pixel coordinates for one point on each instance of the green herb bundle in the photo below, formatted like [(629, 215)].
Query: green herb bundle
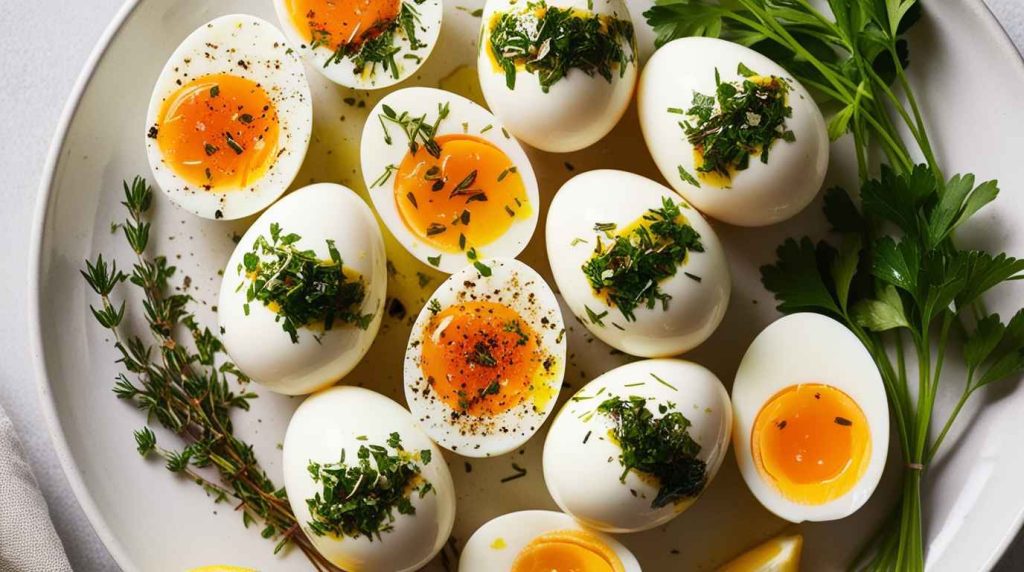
[(747, 119), (558, 40), (380, 47), (303, 289), (897, 280), (187, 390), (360, 499), (630, 268), (660, 447)]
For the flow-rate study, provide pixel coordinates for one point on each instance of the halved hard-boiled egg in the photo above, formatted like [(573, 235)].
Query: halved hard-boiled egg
[(303, 293), (648, 436), (486, 358), (559, 73), (812, 421), (230, 119), (732, 131), (367, 486), (636, 264), (541, 540), (363, 44), (447, 179)]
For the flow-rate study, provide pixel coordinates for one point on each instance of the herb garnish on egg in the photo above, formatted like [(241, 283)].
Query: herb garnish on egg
[(301, 288), (629, 269), (360, 499), (660, 447), (549, 41), (376, 45), (741, 119)]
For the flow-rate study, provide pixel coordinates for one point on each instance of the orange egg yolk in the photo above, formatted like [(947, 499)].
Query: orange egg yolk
[(219, 132), (337, 23), (466, 197), (483, 359), (567, 551), (812, 441)]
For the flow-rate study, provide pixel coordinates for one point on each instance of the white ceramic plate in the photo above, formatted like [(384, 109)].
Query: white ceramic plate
[(966, 71)]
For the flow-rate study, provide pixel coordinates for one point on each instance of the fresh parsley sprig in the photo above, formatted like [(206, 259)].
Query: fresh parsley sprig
[(185, 385), (303, 289), (549, 41)]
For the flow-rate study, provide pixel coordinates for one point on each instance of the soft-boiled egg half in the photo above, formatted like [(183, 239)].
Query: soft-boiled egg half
[(486, 358), (447, 179), (541, 540), (367, 486), (559, 73), (363, 44), (648, 436), (303, 293), (229, 120), (636, 264), (812, 422), (732, 131)]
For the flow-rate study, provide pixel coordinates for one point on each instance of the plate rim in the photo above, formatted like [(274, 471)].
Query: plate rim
[(47, 402)]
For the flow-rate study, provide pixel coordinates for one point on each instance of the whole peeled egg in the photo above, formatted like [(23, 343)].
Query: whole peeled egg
[(543, 540), (558, 73), (732, 131), (337, 441), (303, 293), (230, 119), (639, 267), (672, 410), (812, 422)]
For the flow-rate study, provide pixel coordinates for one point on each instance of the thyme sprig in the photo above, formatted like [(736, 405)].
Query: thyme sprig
[(417, 129), (658, 446), (549, 41), (630, 268), (303, 289), (180, 386)]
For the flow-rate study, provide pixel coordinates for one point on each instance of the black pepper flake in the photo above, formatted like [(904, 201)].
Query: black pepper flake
[(436, 228), (218, 215), (245, 118), (781, 424), (153, 131), (438, 185), (843, 421), (210, 149)]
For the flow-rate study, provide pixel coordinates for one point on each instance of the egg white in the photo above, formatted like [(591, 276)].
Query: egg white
[(484, 551), (256, 342), (808, 348), (578, 109), (465, 117), (343, 419), (218, 47), (696, 308), (762, 194), (344, 73), (519, 287), (601, 500)]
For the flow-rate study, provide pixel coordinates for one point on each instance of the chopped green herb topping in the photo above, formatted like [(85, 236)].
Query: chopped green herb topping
[(549, 41), (659, 447), (302, 289), (360, 499), (629, 269), (417, 129), (377, 46), (740, 120)]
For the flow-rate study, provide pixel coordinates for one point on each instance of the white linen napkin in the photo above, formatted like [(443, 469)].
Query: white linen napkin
[(28, 542)]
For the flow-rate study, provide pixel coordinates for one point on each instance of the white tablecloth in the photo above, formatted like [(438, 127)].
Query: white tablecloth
[(43, 45)]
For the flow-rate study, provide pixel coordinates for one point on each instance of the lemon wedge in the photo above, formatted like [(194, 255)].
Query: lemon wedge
[(780, 554), (220, 568)]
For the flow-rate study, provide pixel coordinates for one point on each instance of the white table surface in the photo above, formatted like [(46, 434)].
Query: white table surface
[(43, 45)]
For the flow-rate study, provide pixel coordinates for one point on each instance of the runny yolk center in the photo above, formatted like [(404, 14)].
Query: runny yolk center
[(219, 132), (336, 23), (483, 358), (812, 441), (466, 197), (567, 551)]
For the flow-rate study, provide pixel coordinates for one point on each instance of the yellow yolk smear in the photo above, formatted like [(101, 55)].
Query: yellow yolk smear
[(337, 23), (567, 551), (483, 359), (467, 197), (219, 132), (812, 441)]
